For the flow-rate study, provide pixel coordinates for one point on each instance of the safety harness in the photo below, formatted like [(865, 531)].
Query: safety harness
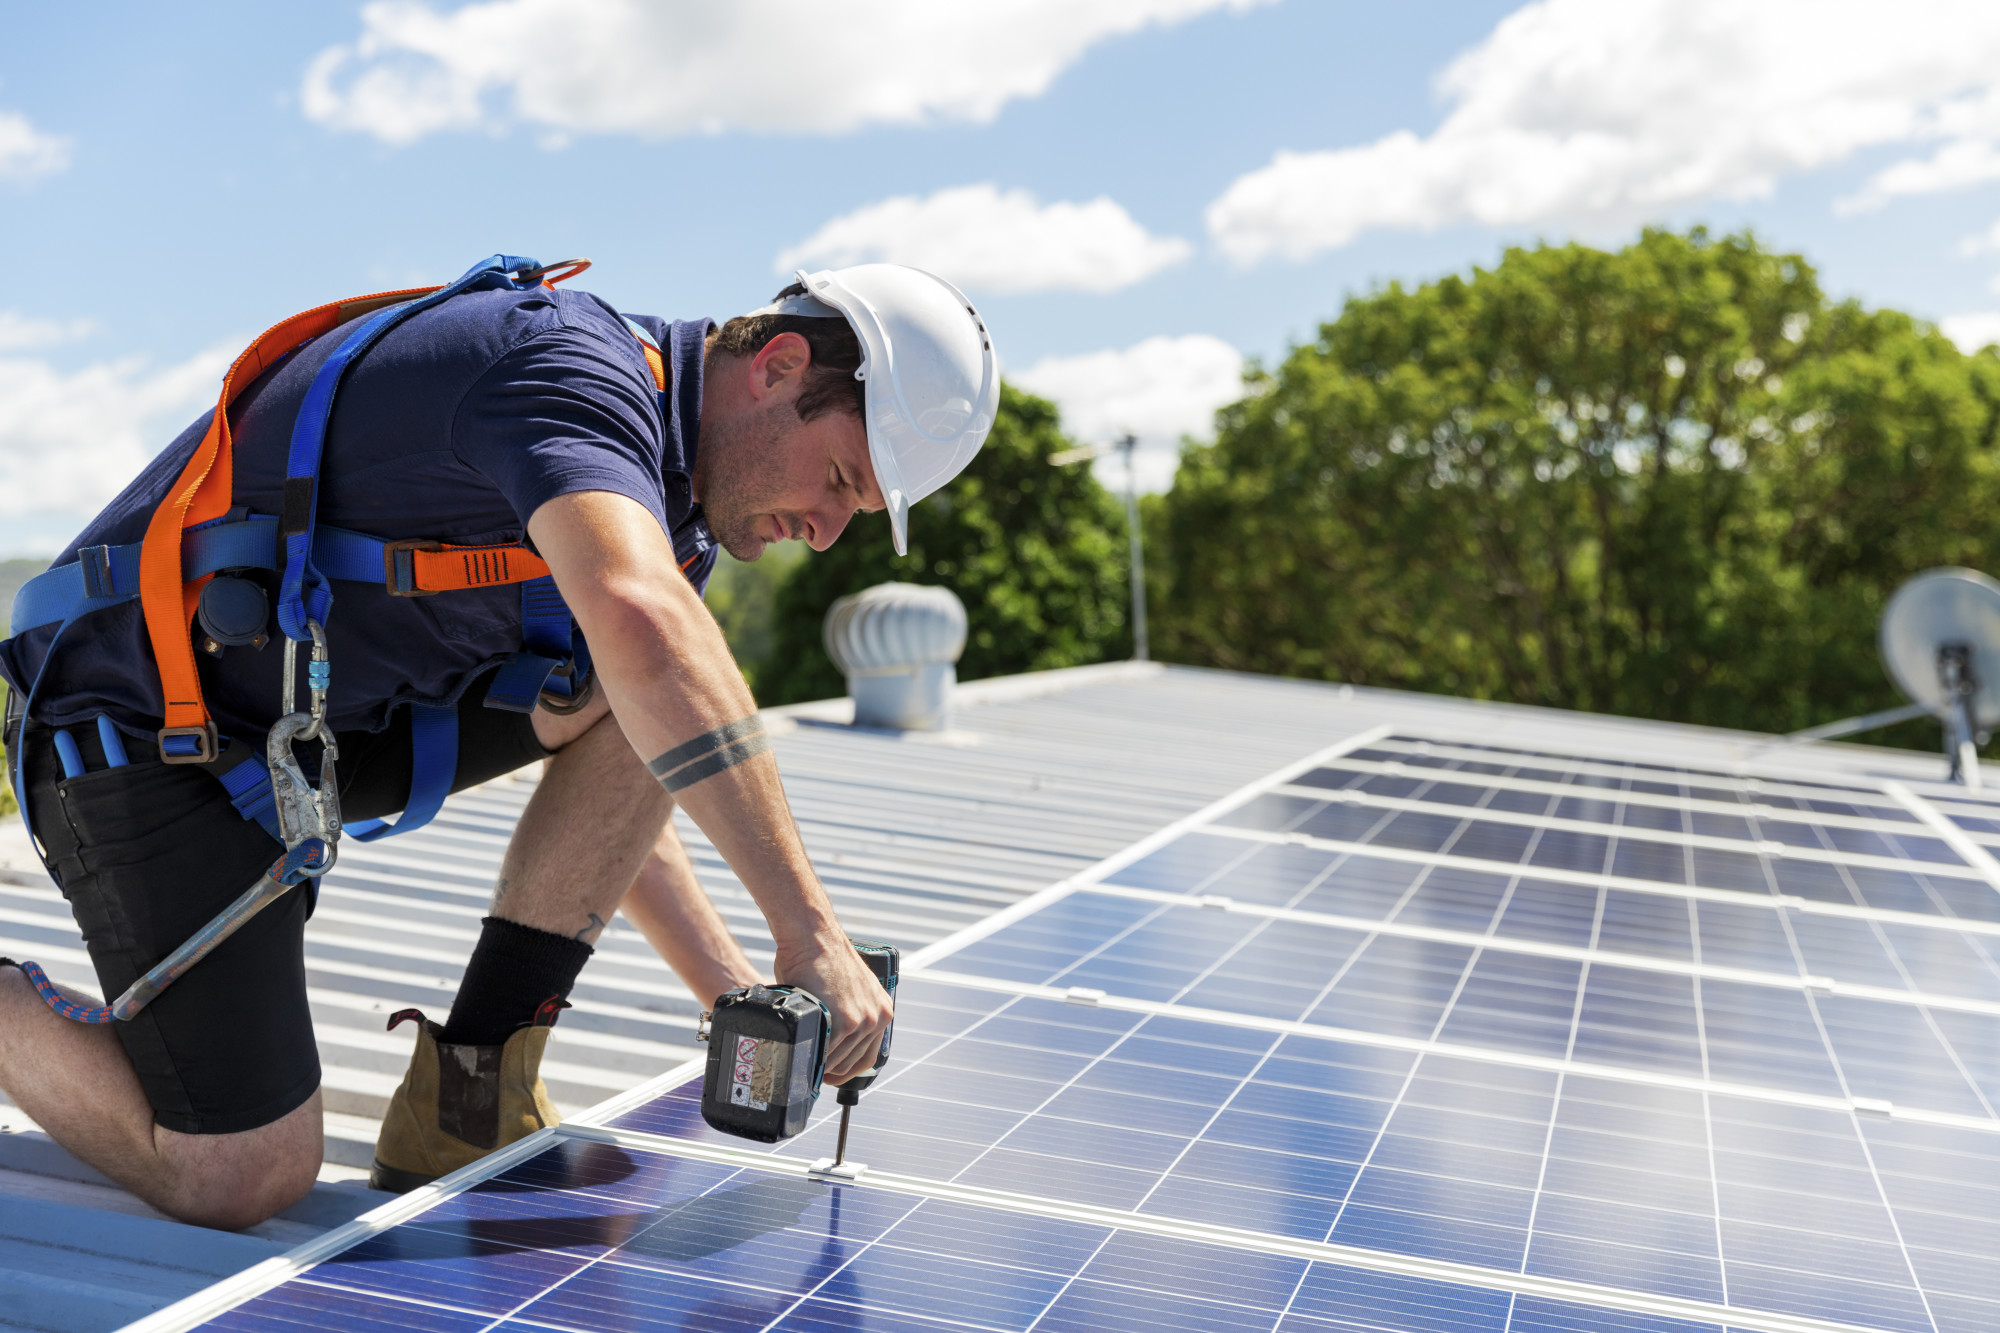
[(197, 536)]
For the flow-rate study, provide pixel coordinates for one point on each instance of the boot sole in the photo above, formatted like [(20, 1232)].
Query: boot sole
[(394, 1179)]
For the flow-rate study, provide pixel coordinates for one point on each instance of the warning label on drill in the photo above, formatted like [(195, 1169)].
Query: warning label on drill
[(761, 1069)]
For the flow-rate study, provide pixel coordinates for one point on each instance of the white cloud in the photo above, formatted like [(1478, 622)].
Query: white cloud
[(26, 152), (1582, 112), (1972, 332), (666, 67), (70, 440), (20, 333), (1158, 390), (977, 236), (1981, 242)]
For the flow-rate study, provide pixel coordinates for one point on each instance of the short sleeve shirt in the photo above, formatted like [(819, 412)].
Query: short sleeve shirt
[(456, 426)]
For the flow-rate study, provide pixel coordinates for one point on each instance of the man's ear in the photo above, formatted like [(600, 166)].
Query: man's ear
[(781, 362)]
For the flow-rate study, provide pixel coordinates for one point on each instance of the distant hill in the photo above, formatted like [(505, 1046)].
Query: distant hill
[(13, 573)]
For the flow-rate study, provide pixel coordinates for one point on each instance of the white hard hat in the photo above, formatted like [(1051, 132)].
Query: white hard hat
[(933, 383)]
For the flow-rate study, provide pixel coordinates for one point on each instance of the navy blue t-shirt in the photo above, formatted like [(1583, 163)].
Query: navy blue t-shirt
[(456, 426)]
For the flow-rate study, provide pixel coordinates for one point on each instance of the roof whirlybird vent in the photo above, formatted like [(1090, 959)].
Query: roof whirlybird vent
[(898, 645)]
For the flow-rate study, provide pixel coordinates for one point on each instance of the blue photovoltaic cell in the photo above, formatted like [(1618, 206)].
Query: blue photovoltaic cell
[(1918, 889), (1617, 1121), (1593, 1180), (594, 1237), (1769, 1036)]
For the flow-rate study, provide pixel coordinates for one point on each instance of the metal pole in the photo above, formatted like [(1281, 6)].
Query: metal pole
[(1128, 446)]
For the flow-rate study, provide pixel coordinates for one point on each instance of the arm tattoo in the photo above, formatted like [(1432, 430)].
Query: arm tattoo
[(710, 753), (590, 931)]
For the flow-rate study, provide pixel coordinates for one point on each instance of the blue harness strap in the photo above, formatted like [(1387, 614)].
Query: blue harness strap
[(18, 771), (549, 633), (247, 778), (433, 764), (303, 594), (109, 575)]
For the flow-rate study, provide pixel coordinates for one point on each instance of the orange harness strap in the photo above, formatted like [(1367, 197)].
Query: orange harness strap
[(654, 363), (203, 492)]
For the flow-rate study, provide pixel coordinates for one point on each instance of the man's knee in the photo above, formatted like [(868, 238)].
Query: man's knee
[(232, 1181)]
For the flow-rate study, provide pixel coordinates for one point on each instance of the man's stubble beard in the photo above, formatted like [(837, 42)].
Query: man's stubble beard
[(740, 475)]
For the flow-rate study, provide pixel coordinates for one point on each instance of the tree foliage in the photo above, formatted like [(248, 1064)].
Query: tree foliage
[(1674, 481), (1036, 553), (743, 599)]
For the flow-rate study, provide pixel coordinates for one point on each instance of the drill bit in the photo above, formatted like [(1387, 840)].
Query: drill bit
[(847, 1098)]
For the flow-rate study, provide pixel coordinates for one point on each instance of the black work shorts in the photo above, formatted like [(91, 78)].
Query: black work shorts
[(146, 854)]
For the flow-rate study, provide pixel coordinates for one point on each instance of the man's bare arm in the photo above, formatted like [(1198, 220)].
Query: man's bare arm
[(668, 905), (679, 697)]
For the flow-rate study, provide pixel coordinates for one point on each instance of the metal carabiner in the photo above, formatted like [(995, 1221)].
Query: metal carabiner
[(305, 812), (319, 674)]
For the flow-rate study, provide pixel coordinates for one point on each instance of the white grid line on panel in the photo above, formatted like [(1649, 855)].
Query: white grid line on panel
[(1626, 832), (1189, 985), (1490, 1055), (1708, 1110), (1957, 838), (1556, 1102), (1110, 865), (1260, 1242), (1773, 779), (1860, 1138), (1588, 879), (1068, 1282), (1609, 796), (1799, 782), (1570, 953), (1432, 1043)]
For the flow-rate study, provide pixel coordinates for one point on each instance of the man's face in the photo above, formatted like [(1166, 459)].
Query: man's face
[(762, 475)]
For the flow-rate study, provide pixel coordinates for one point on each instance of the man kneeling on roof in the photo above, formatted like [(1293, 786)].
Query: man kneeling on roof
[(483, 516)]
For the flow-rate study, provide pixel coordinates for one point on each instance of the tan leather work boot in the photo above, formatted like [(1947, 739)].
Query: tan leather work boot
[(458, 1103)]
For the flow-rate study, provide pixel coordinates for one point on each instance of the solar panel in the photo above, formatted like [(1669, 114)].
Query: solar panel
[(1421, 1036)]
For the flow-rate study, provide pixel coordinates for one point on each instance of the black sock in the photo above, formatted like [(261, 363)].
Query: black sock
[(514, 971)]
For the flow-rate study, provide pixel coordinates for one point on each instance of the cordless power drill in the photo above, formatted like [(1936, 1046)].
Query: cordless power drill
[(767, 1053)]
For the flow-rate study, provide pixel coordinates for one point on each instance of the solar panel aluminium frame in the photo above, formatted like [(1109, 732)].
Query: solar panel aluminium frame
[(593, 1127), (225, 1295)]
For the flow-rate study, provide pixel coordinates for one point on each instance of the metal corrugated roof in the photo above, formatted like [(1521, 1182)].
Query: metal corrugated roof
[(915, 836)]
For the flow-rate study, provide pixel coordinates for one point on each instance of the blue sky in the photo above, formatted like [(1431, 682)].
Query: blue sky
[(1104, 176)]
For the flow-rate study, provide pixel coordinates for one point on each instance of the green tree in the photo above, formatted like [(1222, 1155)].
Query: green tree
[(1036, 553), (1674, 481), (743, 597)]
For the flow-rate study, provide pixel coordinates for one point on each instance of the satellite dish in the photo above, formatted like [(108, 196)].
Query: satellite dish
[(1941, 645)]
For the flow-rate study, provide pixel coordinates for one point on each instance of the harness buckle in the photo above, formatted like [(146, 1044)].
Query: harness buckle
[(188, 745), (399, 567)]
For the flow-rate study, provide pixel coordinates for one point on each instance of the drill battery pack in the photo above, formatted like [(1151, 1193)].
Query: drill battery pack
[(767, 1054)]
